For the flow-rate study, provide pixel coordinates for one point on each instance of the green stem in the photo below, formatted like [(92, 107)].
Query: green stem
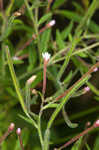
[(78, 115), (71, 91), (77, 35), (94, 89), (35, 26), (86, 48), (67, 120), (67, 58), (39, 121), (16, 84), (88, 15), (15, 81), (39, 131), (8, 10)]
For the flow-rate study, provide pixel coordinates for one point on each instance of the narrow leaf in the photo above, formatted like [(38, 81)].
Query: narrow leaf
[(44, 18), (14, 78)]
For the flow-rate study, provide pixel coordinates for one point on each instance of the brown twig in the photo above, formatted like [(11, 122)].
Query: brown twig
[(44, 78), (96, 124), (10, 129), (34, 36), (86, 74), (1, 5)]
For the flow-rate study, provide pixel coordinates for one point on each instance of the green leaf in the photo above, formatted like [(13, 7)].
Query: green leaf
[(96, 98), (4, 146), (8, 28), (82, 54), (93, 89), (32, 57), (47, 139), (67, 31), (17, 62), (22, 27), (76, 146), (67, 120), (27, 96), (59, 40), (58, 3), (87, 146), (96, 143), (26, 119), (17, 145), (69, 94), (83, 68), (11, 92), (44, 18), (15, 80), (25, 136), (77, 18), (78, 7), (50, 105), (45, 37), (68, 78), (9, 8), (17, 21), (70, 15)]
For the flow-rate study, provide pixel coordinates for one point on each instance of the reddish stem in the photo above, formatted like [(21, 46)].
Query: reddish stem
[(1, 5), (10, 129), (95, 125), (77, 137), (34, 36), (21, 143), (86, 74), (44, 77), (18, 132)]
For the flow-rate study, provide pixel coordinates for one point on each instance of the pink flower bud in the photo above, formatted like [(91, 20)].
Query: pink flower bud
[(96, 124), (11, 127), (18, 131), (95, 70), (86, 89), (31, 79)]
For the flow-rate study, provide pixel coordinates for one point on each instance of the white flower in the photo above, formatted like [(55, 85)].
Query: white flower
[(46, 56), (52, 22)]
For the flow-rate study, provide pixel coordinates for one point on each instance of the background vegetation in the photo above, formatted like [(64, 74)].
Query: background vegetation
[(73, 43)]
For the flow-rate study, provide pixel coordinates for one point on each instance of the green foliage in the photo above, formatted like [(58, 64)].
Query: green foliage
[(58, 3), (59, 41), (77, 144), (27, 33), (44, 18), (45, 39), (96, 144)]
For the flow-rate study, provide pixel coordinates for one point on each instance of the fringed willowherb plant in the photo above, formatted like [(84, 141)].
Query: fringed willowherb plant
[(34, 73)]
